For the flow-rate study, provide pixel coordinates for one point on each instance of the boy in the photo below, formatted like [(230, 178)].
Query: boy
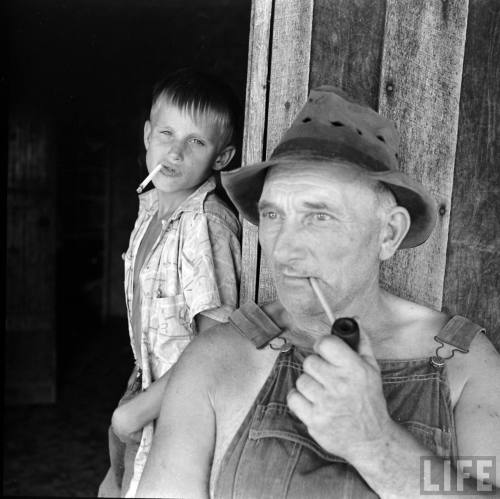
[(183, 263)]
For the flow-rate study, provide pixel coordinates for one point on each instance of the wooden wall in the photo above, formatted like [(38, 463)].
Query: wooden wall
[(431, 66)]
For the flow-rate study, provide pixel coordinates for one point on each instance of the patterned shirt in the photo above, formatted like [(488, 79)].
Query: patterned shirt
[(193, 267)]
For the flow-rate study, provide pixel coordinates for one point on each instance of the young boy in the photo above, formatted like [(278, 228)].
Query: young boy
[(183, 263)]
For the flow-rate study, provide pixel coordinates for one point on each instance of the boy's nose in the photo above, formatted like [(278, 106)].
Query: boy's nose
[(176, 152)]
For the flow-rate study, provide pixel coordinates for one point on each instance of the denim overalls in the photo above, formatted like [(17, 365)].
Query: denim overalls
[(272, 454)]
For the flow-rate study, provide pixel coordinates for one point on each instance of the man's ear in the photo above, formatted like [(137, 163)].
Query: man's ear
[(224, 157), (396, 224), (147, 133)]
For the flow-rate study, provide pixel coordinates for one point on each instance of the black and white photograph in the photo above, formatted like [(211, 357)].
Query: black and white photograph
[(252, 249)]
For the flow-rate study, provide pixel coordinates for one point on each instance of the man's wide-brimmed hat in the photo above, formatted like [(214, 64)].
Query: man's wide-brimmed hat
[(332, 128)]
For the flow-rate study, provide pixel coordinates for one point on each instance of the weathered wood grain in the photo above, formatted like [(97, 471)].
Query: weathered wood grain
[(346, 47), (420, 90), (289, 79), (254, 131), (472, 279)]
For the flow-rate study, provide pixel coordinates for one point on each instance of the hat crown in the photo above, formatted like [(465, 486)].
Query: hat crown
[(333, 127)]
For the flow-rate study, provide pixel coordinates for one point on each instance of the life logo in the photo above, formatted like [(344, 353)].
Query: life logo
[(472, 475)]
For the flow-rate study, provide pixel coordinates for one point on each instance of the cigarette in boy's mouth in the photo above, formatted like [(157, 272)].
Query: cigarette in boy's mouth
[(146, 181), (322, 299)]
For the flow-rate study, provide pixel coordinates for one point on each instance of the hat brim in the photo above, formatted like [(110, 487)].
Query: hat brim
[(244, 187)]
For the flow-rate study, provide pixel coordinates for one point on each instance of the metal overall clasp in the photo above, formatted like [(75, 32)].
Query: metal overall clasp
[(436, 360)]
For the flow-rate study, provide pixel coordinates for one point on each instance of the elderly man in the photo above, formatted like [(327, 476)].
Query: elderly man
[(271, 404)]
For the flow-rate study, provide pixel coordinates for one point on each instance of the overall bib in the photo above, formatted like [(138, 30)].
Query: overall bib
[(272, 454)]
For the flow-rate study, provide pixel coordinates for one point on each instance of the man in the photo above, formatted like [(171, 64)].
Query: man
[(272, 405)]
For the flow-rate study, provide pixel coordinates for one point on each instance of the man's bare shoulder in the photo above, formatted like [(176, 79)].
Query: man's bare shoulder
[(407, 329), (221, 349), (481, 365)]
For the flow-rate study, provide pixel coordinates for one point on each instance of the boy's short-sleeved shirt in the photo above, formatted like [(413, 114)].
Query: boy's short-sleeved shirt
[(193, 267)]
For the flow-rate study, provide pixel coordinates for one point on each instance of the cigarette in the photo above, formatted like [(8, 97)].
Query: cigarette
[(322, 299), (146, 181)]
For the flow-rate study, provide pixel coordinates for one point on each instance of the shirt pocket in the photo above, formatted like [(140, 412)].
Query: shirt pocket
[(170, 330)]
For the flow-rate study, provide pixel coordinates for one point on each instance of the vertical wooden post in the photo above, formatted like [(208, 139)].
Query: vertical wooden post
[(289, 79), (254, 133), (472, 280), (420, 90), (346, 51)]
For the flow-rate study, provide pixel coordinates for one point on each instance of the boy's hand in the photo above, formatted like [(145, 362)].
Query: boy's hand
[(121, 426)]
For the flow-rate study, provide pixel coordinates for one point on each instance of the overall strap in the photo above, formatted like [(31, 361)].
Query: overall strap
[(254, 324), (458, 333)]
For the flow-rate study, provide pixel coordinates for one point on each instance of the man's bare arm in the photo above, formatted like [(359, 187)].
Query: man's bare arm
[(180, 459), (130, 418)]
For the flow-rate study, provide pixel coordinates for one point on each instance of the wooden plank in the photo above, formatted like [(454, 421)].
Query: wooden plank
[(346, 51), (472, 279), (420, 90), (254, 131), (289, 79)]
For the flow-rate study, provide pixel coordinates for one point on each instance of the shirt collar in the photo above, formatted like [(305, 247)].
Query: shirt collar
[(148, 201)]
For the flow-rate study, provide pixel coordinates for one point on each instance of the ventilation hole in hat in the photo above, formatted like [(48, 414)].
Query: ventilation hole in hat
[(397, 155), (379, 137), (359, 131), (306, 120), (336, 123)]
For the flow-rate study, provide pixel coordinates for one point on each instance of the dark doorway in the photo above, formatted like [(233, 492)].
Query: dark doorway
[(79, 78)]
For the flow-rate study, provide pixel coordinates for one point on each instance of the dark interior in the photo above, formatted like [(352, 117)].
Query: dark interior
[(81, 73)]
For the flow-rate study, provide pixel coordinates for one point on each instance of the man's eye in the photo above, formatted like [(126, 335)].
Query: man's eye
[(271, 215), (322, 217), (166, 132)]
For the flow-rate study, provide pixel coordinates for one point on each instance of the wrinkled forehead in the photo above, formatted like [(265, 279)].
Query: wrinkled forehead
[(313, 179)]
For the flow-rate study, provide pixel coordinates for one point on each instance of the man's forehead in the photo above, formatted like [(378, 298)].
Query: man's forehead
[(313, 175)]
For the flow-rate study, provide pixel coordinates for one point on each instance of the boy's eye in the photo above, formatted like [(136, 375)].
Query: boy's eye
[(197, 142)]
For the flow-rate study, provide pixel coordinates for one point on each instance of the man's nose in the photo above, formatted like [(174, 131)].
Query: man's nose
[(289, 246)]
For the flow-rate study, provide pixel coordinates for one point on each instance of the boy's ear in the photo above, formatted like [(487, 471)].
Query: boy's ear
[(147, 133), (396, 226), (224, 157)]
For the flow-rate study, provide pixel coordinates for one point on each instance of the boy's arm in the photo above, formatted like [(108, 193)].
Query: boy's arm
[(132, 416), (181, 455), (211, 267)]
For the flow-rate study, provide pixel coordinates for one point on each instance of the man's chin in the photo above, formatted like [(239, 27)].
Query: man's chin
[(296, 302)]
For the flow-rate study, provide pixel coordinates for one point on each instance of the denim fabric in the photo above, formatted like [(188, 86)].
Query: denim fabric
[(273, 456)]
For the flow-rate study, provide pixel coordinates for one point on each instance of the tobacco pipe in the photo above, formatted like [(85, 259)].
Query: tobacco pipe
[(344, 327), (347, 329)]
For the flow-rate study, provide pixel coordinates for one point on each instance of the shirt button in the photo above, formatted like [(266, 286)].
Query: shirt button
[(163, 223)]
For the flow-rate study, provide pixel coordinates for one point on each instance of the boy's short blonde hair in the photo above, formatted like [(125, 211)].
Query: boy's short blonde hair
[(205, 97)]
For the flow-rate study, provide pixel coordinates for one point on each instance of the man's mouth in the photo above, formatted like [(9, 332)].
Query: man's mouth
[(294, 278)]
